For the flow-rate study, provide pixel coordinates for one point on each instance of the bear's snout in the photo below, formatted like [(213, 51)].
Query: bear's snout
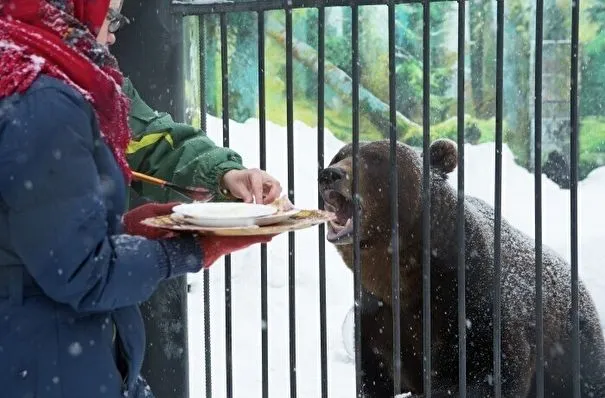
[(331, 175)]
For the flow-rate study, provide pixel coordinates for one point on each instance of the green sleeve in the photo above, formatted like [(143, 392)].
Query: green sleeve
[(173, 151)]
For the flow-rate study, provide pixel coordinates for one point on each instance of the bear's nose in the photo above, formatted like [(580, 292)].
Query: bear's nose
[(331, 175)]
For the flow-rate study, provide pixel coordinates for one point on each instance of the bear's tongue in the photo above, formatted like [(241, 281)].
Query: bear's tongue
[(337, 231)]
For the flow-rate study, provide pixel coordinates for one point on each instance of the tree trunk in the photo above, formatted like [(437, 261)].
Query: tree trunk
[(242, 67), (477, 33), (376, 110)]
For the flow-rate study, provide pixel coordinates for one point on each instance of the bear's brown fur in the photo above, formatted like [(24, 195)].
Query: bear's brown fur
[(518, 280)]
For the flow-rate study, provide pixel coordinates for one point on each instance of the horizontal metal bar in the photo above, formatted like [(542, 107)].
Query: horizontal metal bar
[(214, 7)]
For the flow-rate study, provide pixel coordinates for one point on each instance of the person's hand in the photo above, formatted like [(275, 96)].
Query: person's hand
[(132, 220), (252, 185), (214, 247)]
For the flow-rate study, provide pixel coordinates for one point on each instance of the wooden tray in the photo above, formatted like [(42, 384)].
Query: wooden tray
[(301, 220)]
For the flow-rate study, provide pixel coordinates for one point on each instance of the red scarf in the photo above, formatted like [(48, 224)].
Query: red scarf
[(58, 38)]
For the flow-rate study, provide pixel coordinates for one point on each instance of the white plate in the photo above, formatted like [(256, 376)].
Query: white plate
[(213, 224), (236, 223), (275, 218), (228, 214)]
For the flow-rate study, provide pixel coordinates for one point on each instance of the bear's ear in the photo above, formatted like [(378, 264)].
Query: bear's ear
[(444, 155)]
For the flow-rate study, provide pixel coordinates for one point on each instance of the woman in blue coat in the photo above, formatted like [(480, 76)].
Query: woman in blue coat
[(71, 274)]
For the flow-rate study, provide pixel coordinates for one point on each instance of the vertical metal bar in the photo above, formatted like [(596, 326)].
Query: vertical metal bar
[(538, 201), (460, 213), (575, 25), (291, 236), (206, 272), (395, 288), (497, 333), (323, 325), (225, 101), (263, 165), (426, 198), (207, 343), (355, 189)]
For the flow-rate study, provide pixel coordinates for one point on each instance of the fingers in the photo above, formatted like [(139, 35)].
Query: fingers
[(240, 190), (273, 187), (252, 185), (274, 191), (243, 192), (256, 185), (236, 183)]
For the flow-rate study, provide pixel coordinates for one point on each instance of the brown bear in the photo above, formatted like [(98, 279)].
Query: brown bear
[(518, 338)]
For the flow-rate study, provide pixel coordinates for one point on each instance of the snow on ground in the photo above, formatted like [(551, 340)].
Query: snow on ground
[(518, 208)]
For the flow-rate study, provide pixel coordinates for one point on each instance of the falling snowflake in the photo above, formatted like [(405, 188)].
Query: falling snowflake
[(75, 349)]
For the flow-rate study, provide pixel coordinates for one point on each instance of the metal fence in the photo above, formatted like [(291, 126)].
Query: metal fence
[(260, 7)]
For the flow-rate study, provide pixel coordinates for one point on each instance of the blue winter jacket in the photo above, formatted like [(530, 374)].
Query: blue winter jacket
[(70, 281)]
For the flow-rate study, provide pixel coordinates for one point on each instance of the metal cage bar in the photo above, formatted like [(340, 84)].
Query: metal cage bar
[(291, 235), (355, 191), (288, 6), (323, 326), (228, 299), (426, 197), (497, 333), (574, 144), (262, 127), (206, 271), (538, 202), (219, 6), (207, 340), (460, 237), (393, 191)]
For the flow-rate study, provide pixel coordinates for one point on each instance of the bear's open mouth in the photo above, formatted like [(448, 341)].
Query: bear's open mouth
[(340, 230)]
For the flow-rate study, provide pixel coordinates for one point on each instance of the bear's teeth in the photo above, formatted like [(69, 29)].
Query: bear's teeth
[(338, 230), (337, 227)]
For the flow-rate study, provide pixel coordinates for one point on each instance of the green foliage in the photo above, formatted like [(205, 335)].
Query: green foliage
[(592, 100), (409, 68), (517, 57), (476, 131), (480, 88), (592, 145), (338, 51), (592, 135)]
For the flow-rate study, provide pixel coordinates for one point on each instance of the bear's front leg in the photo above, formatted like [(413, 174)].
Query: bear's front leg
[(376, 343), (375, 377), (517, 360)]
